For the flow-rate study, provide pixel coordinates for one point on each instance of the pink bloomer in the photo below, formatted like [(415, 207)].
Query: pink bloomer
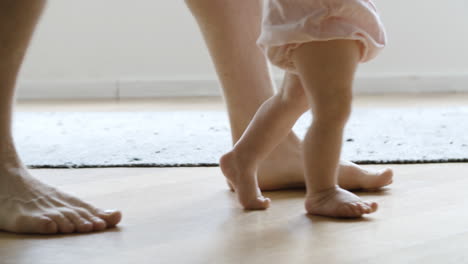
[(289, 23)]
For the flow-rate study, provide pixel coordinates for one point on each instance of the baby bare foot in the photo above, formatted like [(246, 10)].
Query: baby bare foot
[(355, 177), (30, 206), (336, 202), (244, 181)]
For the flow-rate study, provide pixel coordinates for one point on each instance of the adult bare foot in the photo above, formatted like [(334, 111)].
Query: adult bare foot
[(283, 169), (354, 177), (26, 204), (336, 202), (30, 206)]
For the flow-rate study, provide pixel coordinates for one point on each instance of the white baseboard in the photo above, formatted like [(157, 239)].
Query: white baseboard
[(416, 83), (126, 89), (39, 90), (168, 88)]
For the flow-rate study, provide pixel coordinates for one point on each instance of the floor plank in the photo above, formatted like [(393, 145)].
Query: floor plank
[(187, 215)]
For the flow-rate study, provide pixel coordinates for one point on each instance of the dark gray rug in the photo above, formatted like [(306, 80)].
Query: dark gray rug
[(162, 139)]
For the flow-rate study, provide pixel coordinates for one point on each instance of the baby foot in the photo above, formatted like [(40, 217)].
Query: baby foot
[(30, 206), (336, 202), (244, 182), (354, 177)]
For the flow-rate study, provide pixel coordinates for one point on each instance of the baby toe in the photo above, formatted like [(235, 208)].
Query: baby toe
[(260, 203), (347, 210), (373, 206), (366, 209), (357, 209)]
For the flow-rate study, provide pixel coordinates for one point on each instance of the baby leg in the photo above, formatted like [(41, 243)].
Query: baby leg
[(270, 125), (327, 70)]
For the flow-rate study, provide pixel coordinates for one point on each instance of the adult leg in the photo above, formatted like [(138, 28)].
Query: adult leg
[(26, 204), (230, 29)]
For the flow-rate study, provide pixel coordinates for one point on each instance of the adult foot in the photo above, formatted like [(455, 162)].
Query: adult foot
[(30, 206), (336, 202), (354, 177), (243, 181), (283, 169)]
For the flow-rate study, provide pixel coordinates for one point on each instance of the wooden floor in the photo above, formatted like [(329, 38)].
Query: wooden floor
[(188, 215)]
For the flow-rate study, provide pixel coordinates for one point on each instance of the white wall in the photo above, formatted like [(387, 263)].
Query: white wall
[(116, 44)]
